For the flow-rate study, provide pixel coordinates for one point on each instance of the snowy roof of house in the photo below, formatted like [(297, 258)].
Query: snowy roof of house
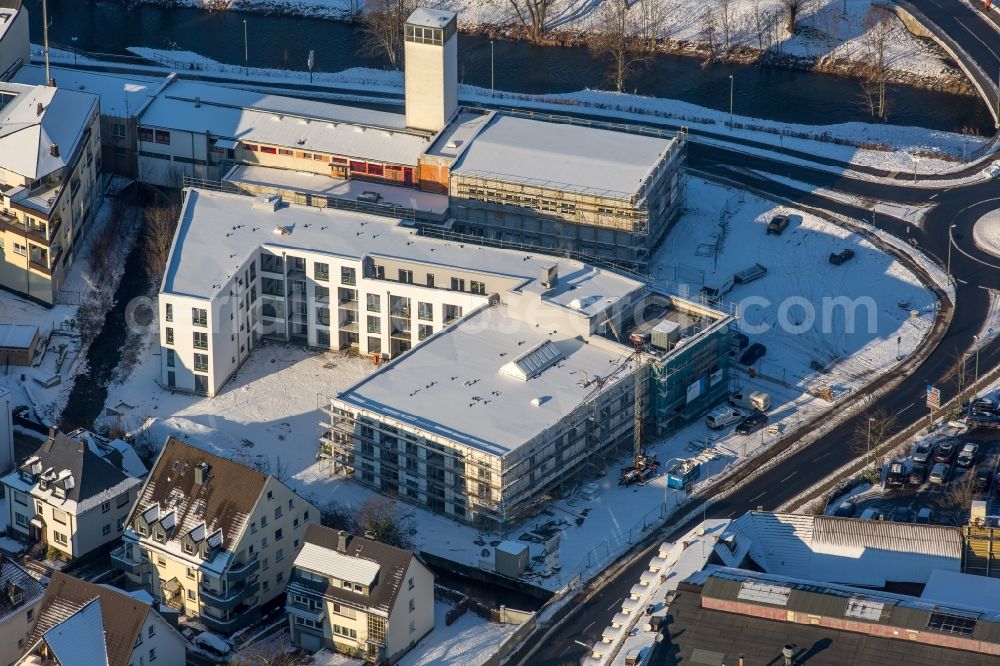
[(121, 615), (475, 402), (561, 156), (339, 565), (221, 505), (390, 564), (217, 231), (17, 336), (26, 138), (276, 120), (13, 576), (430, 18), (121, 95), (8, 12), (840, 550), (76, 641)]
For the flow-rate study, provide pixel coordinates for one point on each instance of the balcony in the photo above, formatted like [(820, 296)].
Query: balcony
[(305, 612), (124, 563), (240, 572), (348, 326), (227, 600), (236, 619), (349, 304)]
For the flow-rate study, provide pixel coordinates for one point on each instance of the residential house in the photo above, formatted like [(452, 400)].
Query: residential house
[(85, 624), (212, 538), (20, 597), (67, 497), (358, 596)]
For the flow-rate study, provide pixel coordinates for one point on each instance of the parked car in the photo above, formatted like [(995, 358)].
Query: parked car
[(837, 258), (896, 476), (922, 453), (845, 509), (984, 420), (871, 513), (946, 450), (741, 340), (940, 473), (983, 405), (716, 287), (918, 474), (753, 353), (752, 423), (925, 516), (982, 481), (211, 643), (722, 416), (746, 275), (901, 514), (968, 455), (778, 224), (755, 400)]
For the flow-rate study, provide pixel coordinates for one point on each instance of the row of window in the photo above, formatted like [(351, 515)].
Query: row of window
[(199, 316), (154, 136)]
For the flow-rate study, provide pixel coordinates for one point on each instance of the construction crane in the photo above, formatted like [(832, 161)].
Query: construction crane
[(643, 466)]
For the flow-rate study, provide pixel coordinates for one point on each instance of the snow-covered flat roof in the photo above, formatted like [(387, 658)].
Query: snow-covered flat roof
[(562, 156), (452, 385), (340, 566), (17, 336), (121, 95), (209, 247), (232, 113), (430, 18)]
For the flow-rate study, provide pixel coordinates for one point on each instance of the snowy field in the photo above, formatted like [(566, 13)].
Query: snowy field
[(267, 416), (469, 641), (825, 32)]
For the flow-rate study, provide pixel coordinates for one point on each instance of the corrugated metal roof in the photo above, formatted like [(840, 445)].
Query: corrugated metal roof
[(937, 540), (338, 565)]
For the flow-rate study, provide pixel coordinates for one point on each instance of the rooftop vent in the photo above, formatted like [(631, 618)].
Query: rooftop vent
[(454, 143), (197, 102), (54, 150), (342, 541), (267, 202), (39, 109), (69, 483), (550, 276)]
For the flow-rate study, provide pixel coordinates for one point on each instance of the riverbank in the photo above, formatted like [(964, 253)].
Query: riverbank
[(832, 37)]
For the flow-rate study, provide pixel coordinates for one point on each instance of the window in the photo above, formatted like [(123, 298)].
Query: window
[(358, 167), (374, 345), (409, 583), (280, 577), (457, 284), (279, 555), (344, 631), (152, 630), (430, 279), (323, 316), (145, 134), (347, 275), (199, 317), (171, 379), (170, 312), (284, 151), (171, 358), (451, 313), (118, 130), (270, 150), (405, 276), (163, 137), (321, 271), (106, 530), (304, 622), (263, 521), (201, 384), (477, 287), (191, 595), (277, 512), (170, 335), (20, 249), (413, 605), (305, 516), (21, 519), (60, 517), (322, 294), (31, 614), (374, 169), (374, 324), (61, 538), (413, 627), (278, 534), (190, 571), (952, 624), (120, 525), (374, 302), (424, 331), (152, 653), (200, 340), (263, 543), (105, 507), (266, 586), (201, 362)]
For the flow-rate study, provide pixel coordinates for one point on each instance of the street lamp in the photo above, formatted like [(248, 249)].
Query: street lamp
[(492, 74), (975, 385), (246, 50), (731, 83), (915, 160), (949, 249), (868, 455)]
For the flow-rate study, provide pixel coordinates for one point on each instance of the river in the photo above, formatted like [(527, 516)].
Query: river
[(106, 26)]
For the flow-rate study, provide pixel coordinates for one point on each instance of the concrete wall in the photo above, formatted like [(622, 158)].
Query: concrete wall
[(431, 82)]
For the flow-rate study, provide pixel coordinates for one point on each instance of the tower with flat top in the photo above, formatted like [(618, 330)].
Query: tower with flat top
[(431, 68)]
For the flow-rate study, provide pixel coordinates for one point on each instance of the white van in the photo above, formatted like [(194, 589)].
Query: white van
[(722, 416), (717, 286), (757, 400)]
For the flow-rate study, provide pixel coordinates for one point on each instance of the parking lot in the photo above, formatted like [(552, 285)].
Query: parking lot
[(947, 503)]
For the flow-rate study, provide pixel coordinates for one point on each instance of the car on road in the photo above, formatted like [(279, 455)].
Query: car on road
[(753, 353), (922, 453), (940, 473), (845, 509), (925, 516), (752, 424), (838, 258), (778, 224), (896, 476), (722, 416), (946, 450), (871, 513), (901, 514), (918, 474), (968, 455), (741, 339)]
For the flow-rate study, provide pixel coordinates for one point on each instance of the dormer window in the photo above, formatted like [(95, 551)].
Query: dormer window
[(358, 587), (188, 549), (142, 529), (347, 585), (158, 536)]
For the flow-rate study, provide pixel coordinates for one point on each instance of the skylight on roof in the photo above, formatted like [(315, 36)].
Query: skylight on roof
[(533, 362), (864, 609), (776, 595)]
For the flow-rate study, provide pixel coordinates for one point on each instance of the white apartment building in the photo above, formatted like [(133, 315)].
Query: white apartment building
[(50, 185), (212, 539), (68, 497), (358, 596), (84, 624), (15, 49)]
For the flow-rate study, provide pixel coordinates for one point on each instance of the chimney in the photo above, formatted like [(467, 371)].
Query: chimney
[(342, 541), (197, 102), (741, 661), (52, 432), (39, 109), (201, 473), (54, 150), (788, 652)]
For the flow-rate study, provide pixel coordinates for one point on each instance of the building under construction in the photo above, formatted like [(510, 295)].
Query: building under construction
[(490, 416)]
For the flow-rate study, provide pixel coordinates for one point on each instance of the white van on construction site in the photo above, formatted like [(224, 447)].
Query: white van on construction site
[(757, 400), (717, 286), (724, 415)]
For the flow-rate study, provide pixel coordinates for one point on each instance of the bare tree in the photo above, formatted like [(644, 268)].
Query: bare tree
[(709, 29), (760, 22), (381, 521), (161, 222), (533, 15), (873, 430), (793, 10), (725, 21), (622, 37), (961, 493), (876, 40), (383, 26)]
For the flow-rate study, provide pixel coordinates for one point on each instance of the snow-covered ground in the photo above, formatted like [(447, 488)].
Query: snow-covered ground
[(825, 32), (469, 641), (986, 233), (267, 416)]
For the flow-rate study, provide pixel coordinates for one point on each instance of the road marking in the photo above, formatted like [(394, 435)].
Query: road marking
[(616, 603), (788, 477), (933, 196), (731, 514), (822, 456), (985, 45), (758, 496)]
